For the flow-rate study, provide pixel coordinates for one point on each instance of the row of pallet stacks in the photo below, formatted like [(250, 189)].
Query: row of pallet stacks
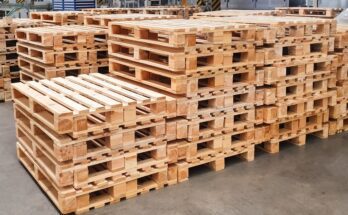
[(9, 71), (181, 12), (77, 17), (229, 13), (209, 68), (339, 112), (181, 93), (293, 86), (60, 51), (91, 140)]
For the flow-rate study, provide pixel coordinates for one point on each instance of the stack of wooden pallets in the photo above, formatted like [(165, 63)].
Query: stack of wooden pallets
[(103, 20), (9, 71), (182, 12), (60, 17), (229, 13), (310, 11), (59, 51), (209, 68), (339, 112), (91, 140), (293, 86), (181, 93)]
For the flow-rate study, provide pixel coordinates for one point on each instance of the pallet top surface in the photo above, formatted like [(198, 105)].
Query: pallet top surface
[(18, 22), (86, 93), (131, 16), (64, 30), (104, 9), (58, 12), (137, 9), (273, 20), (183, 25)]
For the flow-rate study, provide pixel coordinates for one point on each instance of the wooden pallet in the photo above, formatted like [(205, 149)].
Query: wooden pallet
[(182, 33), (63, 37), (182, 150), (62, 58), (215, 161), (69, 200), (292, 108), (9, 25), (273, 146), (230, 13), (59, 17), (202, 58), (296, 52), (295, 108), (38, 71), (294, 131), (203, 105), (180, 84), (298, 70), (103, 20), (212, 124), (274, 30), (88, 103), (318, 12), (299, 89)]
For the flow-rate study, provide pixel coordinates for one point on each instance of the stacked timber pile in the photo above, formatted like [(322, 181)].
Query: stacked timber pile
[(293, 86), (60, 17), (9, 71), (91, 140), (317, 12), (59, 51), (181, 12), (209, 68), (229, 13), (112, 10), (339, 112), (103, 20)]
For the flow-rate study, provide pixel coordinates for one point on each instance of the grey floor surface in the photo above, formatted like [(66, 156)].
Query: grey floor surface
[(299, 180)]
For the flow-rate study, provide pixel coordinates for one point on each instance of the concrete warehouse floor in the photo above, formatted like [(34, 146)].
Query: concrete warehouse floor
[(299, 180)]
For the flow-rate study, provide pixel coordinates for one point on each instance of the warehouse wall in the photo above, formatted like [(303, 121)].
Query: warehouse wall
[(253, 4), (333, 3)]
